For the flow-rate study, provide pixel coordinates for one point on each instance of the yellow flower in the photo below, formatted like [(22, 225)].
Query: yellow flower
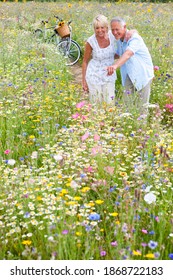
[(136, 253), (114, 214), (26, 242), (149, 256), (78, 233), (77, 198), (90, 204), (99, 201), (71, 203), (39, 198), (61, 23), (31, 137), (85, 189), (123, 174), (63, 191), (69, 179)]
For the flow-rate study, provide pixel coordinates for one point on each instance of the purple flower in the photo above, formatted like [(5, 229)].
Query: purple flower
[(114, 243), (152, 244), (94, 217), (27, 215), (88, 228), (65, 231), (102, 253), (128, 92), (171, 256), (156, 255), (54, 254)]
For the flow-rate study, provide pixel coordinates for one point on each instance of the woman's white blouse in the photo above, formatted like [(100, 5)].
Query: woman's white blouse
[(101, 58)]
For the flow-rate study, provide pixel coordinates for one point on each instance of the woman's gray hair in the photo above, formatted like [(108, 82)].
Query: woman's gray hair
[(121, 21), (100, 20)]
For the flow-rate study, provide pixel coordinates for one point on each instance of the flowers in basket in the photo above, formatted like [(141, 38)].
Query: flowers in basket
[(62, 29), (61, 23)]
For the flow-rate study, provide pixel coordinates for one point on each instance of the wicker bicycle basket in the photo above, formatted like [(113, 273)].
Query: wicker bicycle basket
[(63, 30)]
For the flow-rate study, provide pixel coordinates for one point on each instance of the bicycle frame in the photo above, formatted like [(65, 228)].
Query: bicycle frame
[(45, 30)]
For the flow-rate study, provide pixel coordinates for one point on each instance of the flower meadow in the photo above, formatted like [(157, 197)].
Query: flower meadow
[(80, 182)]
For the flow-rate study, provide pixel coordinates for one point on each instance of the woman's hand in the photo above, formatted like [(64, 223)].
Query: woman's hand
[(85, 86)]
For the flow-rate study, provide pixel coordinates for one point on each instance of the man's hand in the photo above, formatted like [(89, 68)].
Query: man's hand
[(110, 69), (129, 34)]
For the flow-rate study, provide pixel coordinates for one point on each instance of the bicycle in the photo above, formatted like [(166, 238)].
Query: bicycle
[(62, 38)]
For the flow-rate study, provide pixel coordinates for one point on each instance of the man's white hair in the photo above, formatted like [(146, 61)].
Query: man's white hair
[(118, 19)]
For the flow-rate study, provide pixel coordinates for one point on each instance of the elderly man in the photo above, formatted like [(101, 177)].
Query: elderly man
[(135, 65)]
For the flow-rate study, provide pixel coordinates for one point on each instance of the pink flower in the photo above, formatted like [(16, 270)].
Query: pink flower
[(144, 231), (75, 116), (6, 152), (83, 117), (89, 169), (102, 123), (169, 107), (157, 219), (169, 95), (89, 107), (101, 183), (96, 150), (85, 136), (156, 68), (80, 104), (114, 243), (96, 137), (109, 170)]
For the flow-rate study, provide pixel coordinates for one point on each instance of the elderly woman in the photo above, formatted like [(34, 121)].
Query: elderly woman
[(100, 51)]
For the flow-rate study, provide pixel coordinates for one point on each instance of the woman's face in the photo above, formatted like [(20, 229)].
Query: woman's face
[(100, 30)]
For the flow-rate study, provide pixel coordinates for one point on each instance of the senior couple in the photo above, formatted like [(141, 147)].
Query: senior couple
[(106, 51)]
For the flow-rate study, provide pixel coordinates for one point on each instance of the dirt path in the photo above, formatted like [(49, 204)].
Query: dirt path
[(76, 71)]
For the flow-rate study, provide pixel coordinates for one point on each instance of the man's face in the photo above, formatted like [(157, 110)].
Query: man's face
[(118, 30)]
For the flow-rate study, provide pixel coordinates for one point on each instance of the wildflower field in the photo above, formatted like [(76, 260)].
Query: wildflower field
[(79, 182)]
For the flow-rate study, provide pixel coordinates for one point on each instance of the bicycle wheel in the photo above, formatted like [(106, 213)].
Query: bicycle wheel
[(38, 33), (70, 50)]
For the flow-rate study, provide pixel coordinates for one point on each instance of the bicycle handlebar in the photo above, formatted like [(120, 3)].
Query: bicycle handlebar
[(57, 17)]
